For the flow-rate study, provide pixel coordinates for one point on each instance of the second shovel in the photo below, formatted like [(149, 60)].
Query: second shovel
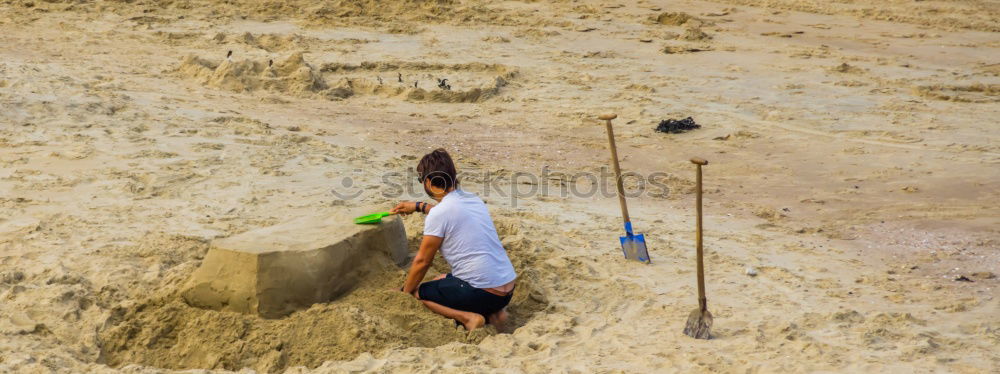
[(633, 245)]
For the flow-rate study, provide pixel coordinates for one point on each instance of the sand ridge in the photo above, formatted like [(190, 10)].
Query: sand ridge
[(293, 76), (290, 75)]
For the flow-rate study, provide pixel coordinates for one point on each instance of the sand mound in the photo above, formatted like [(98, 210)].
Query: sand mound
[(168, 333), (846, 68), (679, 49), (163, 331), (395, 15), (276, 270), (413, 10), (973, 93), (177, 38), (398, 16), (392, 66), (673, 18), (291, 75), (273, 42), (244, 126), (296, 77), (468, 83), (972, 15), (694, 34), (276, 42), (409, 93)]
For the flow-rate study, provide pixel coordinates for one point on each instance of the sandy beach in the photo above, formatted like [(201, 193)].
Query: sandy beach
[(851, 215)]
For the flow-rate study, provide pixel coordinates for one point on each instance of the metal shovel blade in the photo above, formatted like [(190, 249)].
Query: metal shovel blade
[(634, 247)]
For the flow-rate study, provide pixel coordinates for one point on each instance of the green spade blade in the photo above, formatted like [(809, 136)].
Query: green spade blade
[(371, 218)]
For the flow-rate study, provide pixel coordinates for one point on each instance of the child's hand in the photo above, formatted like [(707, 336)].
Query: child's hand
[(404, 208)]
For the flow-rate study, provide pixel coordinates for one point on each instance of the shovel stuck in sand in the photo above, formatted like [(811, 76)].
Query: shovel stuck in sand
[(633, 245), (699, 323)]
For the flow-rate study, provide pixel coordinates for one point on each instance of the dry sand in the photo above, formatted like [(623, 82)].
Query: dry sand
[(854, 164)]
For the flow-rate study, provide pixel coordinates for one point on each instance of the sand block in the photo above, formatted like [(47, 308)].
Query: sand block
[(276, 270)]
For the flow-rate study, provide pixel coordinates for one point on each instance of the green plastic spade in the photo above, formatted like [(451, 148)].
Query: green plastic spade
[(372, 218)]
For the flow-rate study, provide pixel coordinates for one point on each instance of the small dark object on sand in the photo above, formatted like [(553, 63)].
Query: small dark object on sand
[(963, 278), (270, 63), (672, 126), (229, 54), (400, 77)]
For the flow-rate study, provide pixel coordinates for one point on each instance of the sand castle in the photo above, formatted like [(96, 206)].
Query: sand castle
[(276, 270), (293, 76)]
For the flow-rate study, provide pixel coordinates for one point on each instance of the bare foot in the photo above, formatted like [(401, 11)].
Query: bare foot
[(473, 322), (499, 320)]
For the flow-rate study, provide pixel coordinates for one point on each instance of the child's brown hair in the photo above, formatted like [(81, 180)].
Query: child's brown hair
[(439, 167)]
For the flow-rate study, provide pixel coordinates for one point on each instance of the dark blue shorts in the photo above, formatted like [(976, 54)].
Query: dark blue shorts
[(457, 294)]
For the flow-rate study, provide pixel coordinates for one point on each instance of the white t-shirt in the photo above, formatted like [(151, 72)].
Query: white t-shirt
[(471, 245)]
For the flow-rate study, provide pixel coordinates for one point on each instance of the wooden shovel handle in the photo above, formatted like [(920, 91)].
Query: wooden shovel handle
[(702, 303), (614, 163)]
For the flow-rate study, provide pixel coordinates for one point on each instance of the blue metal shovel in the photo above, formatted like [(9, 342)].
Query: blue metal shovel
[(633, 245)]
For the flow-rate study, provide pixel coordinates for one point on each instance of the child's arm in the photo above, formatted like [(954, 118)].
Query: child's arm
[(425, 256), (407, 207)]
